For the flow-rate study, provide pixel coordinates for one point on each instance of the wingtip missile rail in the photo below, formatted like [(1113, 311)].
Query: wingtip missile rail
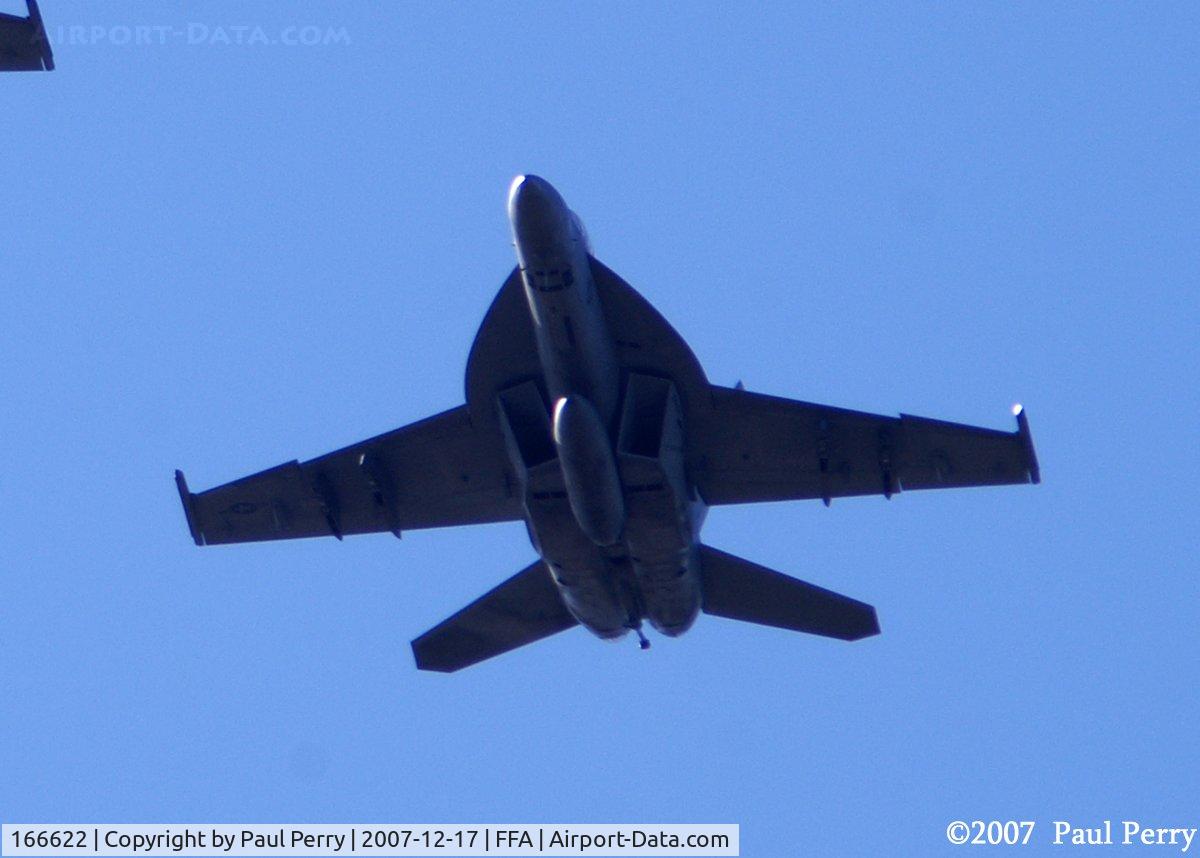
[(1031, 462)]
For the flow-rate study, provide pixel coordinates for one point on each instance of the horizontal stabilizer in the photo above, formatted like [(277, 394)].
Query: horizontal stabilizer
[(524, 609), (741, 590)]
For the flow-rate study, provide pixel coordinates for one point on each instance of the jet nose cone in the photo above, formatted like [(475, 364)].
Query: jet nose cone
[(533, 202), (530, 185)]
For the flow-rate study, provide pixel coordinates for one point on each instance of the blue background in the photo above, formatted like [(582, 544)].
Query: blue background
[(220, 257)]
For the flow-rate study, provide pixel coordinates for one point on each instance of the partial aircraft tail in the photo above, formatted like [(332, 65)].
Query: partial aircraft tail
[(524, 609), (741, 590), (527, 608)]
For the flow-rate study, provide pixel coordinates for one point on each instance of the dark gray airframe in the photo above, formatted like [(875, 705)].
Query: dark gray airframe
[(588, 417), (23, 43)]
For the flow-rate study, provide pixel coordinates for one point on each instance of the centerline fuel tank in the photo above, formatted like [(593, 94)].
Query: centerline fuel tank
[(589, 470)]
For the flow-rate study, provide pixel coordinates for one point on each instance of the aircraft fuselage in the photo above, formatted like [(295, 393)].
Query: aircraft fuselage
[(611, 512), (576, 351)]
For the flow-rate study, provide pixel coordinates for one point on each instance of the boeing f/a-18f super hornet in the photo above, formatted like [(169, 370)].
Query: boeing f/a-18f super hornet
[(588, 417)]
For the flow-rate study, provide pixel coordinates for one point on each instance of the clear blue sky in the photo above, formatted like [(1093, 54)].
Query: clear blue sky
[(221, 257)]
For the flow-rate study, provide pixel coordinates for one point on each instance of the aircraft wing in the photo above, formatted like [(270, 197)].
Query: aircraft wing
[(23, 43), (750, 447), (438, 472)]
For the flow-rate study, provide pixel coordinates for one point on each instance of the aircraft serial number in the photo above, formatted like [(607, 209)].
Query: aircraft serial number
[(68, 839)]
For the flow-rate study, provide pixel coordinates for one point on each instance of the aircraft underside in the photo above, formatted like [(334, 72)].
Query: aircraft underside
[(649, 570), (588, 417)]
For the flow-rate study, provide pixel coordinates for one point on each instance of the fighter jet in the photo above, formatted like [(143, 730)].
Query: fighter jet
[(23, 43), (588, 417)]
